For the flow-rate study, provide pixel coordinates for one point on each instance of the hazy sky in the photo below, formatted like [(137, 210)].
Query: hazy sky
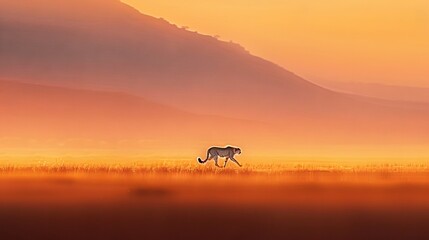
[(384, 41)]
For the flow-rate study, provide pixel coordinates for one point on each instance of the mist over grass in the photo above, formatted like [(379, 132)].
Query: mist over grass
[(190, 168)]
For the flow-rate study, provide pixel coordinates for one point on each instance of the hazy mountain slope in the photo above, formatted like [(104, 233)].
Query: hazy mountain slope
[(392, 92), (54, 116), (36, 116), (105, 44)]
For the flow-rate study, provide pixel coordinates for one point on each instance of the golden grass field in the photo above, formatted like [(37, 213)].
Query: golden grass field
[(184, 200)]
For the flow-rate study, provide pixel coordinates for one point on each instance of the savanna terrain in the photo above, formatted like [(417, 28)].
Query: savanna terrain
[(183, 200), (104, 110)]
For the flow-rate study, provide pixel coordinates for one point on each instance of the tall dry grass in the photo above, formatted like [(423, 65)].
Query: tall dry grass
[(192, 168)]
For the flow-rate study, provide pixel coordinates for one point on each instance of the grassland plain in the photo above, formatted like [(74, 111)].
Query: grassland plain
[(56, 199)]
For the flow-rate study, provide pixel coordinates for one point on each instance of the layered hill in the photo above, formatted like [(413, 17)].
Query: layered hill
[(42, 116), (105, 45), (391, 92), (108, 45)]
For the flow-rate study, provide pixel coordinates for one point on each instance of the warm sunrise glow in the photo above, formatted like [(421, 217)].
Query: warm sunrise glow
[(215, 119), (380, 41)]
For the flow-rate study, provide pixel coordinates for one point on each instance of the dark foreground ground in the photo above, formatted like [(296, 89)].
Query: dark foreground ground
[(305, 205)]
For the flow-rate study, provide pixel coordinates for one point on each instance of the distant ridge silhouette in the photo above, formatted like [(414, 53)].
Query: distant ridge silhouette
[(107, 45)]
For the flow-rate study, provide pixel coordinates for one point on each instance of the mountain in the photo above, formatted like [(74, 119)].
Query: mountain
[(44, 116), (376, 90), (108, 45), (105, 45)]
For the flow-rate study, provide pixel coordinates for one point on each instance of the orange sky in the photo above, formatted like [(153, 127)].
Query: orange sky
[(384, 41)]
